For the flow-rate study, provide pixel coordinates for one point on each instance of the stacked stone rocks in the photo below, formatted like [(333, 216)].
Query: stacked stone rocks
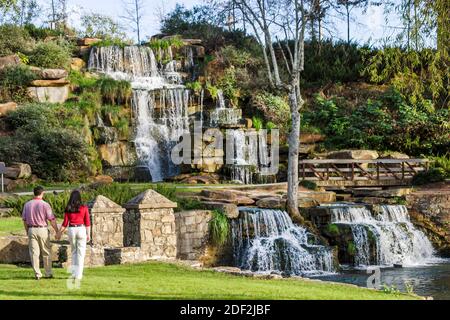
[(17, 175), (52, 85)]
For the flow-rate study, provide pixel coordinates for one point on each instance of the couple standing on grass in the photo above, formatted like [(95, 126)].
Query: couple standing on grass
[(36, 214)]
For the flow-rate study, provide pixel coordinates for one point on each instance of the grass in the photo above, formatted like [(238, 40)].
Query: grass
[(12, 225), (161, 281)]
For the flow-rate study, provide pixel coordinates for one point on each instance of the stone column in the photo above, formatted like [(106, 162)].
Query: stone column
[(107, 222), (149, 223)]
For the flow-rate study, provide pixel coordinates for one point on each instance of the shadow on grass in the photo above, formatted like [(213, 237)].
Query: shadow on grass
[(74, 295)]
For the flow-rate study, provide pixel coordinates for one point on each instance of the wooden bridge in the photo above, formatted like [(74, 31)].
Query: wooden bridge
[(354, 173)]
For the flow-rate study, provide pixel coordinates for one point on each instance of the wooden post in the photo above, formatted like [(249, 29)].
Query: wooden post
[(378, 171), (328, 171), (304, 173), (403, 170), (353, 171)]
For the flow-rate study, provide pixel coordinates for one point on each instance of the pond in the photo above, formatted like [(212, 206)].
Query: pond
[(429, 280)]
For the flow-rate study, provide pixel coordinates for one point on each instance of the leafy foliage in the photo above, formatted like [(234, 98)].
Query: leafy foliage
[(417, 75), (53, 151), (219, 228), (14, 39), (51, 54), (96, 25), (14, 81), (389, 123)]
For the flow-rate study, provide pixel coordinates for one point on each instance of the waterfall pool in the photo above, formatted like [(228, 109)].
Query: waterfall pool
[(432, 279)]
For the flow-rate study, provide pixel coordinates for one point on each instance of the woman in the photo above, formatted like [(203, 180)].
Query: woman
[(76, 218)]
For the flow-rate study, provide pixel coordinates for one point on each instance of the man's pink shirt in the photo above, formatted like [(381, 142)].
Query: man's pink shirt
[(36, 213)]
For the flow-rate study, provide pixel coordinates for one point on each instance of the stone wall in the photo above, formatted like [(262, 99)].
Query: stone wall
[(192, 228), (149, 223), (430, 210), (107, 223)]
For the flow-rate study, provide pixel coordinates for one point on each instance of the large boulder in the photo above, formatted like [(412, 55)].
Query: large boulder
[(7, 107), (231, 210), (319, 196), (50, 74), (393, 155), (87, 41), (23, 170), (272, 203), (353, 154), (311, 138), (9, 61), (50, 83), (77, 64), (50, 94), (117, 154), (219, 195)]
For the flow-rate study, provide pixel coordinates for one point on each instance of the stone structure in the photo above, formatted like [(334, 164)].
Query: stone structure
[(149, 223), (192, 233), (107, 223), (430, 210)]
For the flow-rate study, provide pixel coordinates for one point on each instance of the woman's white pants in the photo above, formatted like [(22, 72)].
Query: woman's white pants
[(77, 238)]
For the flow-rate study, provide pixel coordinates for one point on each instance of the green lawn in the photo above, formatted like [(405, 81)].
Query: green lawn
[(156, 280), (11, 225)]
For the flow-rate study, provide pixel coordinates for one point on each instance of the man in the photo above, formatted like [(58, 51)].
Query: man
[(35, 215)]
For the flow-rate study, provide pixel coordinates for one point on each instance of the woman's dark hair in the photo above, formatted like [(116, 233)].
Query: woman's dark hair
[(74, 203)]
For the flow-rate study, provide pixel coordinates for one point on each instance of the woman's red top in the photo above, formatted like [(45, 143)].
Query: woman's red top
[(77, 218)]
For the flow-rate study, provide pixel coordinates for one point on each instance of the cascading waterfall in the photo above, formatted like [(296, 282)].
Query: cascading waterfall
[(397, 240), (160, 102), (268, 241)]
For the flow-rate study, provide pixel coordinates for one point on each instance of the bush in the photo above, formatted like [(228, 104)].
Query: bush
[(219, 228), (431, 176), (14, 39), (14, 81), (309, 185), (39, 33), (257, 123), (274, 109), (114, 91), (51, 54), (54, 152), (387, 123)]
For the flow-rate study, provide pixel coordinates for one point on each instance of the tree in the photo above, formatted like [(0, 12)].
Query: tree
[(134, 12), (96, 25), (291, 17), (349, 5)]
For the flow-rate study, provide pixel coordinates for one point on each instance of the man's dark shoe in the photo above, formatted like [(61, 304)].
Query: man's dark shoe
[(37, 278)]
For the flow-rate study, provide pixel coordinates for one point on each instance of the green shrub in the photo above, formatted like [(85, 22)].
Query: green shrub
[(229, 85), (219, 227), (40, 33), (431, 176), (195, 86), (51, 54), (14, 81), (54, 152), (273, 108), (174, 42), (333, 229), (442, 162), (111, 42), (309, 185), (14, 39), (257, 123), (114, 91), (387, 123)]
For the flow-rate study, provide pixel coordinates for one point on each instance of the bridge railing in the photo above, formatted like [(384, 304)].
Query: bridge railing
[(354, 170)]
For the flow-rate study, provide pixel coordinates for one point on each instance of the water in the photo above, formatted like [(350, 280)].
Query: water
[(267, 241), (160, 102), (250, 153), (396, 239), (157, 130), (429, 280)]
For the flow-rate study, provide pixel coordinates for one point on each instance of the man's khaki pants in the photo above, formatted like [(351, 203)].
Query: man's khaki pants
[(39, 242)]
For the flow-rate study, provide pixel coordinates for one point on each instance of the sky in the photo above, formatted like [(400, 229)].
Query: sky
[(365, 28)]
